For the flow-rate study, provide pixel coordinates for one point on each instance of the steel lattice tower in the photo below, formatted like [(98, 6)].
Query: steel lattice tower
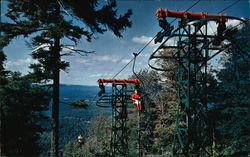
[(195, 47), (192, 55), (119, 138), (119, 100)]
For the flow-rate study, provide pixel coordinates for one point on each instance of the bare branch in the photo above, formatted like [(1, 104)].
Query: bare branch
[(67, 54), (80, 52)]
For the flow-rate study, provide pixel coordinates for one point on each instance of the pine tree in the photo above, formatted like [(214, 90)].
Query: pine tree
[(148, 89), (232, 112), (22, 106), (96, 144), (47, 22), (166, 104)]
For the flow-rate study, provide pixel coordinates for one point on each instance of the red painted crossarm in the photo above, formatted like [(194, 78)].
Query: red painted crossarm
[(118, 81), (163, 13)]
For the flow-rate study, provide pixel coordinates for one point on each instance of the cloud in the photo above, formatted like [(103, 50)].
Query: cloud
[(20, 62), (233, 23), (82, 60), (101, 75), (142, 39), (123, 41), (93, 59), (145, 54), (106, 58), (95, 75), (212, 26), (125, 61), (20, 65), (172, 42)]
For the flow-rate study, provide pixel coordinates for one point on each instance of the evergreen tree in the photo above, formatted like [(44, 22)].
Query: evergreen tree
[(96, 144), (22, 104), (48, 22), (232, 112), (166, 104), (148, 89)]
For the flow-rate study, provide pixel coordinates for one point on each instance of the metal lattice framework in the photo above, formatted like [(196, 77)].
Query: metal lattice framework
[(119, 99), (194, 48), (119, 138), (192, 54)]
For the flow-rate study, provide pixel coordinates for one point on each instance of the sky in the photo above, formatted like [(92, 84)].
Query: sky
[(111, 52)]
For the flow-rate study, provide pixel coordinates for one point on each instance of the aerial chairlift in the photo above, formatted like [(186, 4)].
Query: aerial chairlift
[(194, 47), (136, 97), (139, 104), (106, 99), (119, 100)]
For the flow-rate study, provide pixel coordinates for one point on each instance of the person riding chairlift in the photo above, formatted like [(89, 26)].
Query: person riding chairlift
[(137, 100)]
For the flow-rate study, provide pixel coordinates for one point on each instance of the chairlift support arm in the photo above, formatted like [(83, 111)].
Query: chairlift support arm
[(118, 81), (163, 13)]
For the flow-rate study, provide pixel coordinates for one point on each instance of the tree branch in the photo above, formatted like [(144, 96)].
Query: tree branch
[(80, 52)]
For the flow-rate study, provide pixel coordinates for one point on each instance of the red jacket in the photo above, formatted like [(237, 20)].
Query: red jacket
[(135, 96), (137, 102)]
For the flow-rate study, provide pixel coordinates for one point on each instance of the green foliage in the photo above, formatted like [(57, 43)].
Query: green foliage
[(149, 89), (227, 120), (232, 130), (74, 149), (232, 113), (42, 17), (79, 103), (3, 72), (22, 106), (47, 22), (165, 104), (97, 143)]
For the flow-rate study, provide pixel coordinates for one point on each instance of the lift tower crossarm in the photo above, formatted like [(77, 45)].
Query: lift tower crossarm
[(118, 81), (163, 13)]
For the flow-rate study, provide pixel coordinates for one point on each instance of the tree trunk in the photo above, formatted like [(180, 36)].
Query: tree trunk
[(55, 106), (56, 80)]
